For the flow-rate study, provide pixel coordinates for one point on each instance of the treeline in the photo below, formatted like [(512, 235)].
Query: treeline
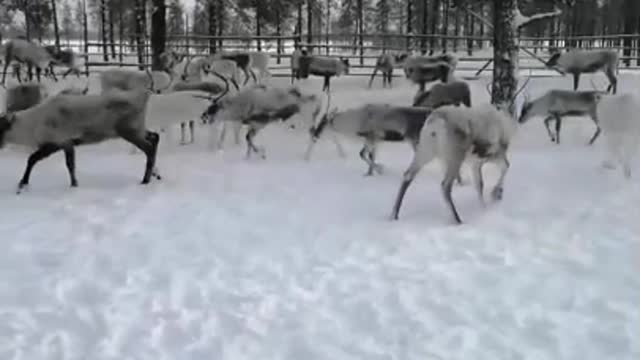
[(129, 20)]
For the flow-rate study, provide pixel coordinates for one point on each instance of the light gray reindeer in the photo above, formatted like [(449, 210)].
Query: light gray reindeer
[(258, 106), (425, 69), (327, 67), (577, 61), (555, 104), (385, 63), (373, 122), (63, 122), (29, 53)]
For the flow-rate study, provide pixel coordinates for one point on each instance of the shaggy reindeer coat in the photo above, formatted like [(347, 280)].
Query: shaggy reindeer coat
[(65, 121), (454, 133)]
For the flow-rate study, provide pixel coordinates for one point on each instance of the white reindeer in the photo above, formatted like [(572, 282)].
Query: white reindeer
[(454, 133)]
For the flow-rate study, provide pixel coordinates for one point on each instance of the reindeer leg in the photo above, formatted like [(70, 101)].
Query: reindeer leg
[(246, 76), (70, 160), (373, 75), (547, 120), (4, 72), (191, 131), (576, 81), (147, 144), (498, 190), (237, 127), (67, 73), (420, 158), (364, 155), (594, 117), (251, 147), (478, 181), (454, 161), (325, 87), (183, 134), (613, 81), (558, 125), (43, 152)]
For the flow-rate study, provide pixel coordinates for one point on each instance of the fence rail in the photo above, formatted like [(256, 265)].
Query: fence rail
[(473, 52)]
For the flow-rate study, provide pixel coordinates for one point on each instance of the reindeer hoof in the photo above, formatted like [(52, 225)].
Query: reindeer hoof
[(21, 188), (74, 184), (497, 193)]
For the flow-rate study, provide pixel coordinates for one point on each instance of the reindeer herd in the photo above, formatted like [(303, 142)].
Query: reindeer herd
[(439, 122)]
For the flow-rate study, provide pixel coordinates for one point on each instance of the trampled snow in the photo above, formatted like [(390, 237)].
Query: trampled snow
[(228, 258)]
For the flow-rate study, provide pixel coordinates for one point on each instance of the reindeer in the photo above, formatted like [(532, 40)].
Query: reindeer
[(257, 107), (385, 63), (326, 67), (423, 69), (454, 133), (65, 121), (26, 52), (577, 61), (452, 93), (65, 57), (555, 104)]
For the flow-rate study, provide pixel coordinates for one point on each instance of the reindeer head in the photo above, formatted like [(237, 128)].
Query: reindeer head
[(345, 62), (553, 61)]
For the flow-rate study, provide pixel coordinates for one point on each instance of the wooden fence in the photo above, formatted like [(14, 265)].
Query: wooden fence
[(474, 53)]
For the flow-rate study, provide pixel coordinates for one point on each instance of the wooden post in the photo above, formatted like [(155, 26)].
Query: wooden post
[(85, 36)]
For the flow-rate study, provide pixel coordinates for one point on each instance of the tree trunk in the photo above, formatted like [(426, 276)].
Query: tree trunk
[(103, 30), (409, 24), (505, 54), (435, 21), (328, 20), (630, 27), (278, 34), (139, 28), (445, 25), (310, 22), (212, 26), (299, 21), (112, 38), (55, 24), (258, 25), (85, 33), (158, 32), (468, 29), (220, 23), (482, 13), (121, 38), (425, 31), (361, 30), (456, 31)]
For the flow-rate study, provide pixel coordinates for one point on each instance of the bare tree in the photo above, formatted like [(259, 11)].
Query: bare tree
[(56, 30), (158, 32)]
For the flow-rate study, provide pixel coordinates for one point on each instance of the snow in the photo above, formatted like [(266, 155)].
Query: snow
[(229, 258)]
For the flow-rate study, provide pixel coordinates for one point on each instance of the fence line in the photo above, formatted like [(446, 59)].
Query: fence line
[(349, 46)]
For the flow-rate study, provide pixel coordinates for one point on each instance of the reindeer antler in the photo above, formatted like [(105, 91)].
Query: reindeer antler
[(226, 84), (522, 87)]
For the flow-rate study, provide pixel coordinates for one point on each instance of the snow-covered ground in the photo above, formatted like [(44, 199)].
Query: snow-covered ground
[(282, 259)]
